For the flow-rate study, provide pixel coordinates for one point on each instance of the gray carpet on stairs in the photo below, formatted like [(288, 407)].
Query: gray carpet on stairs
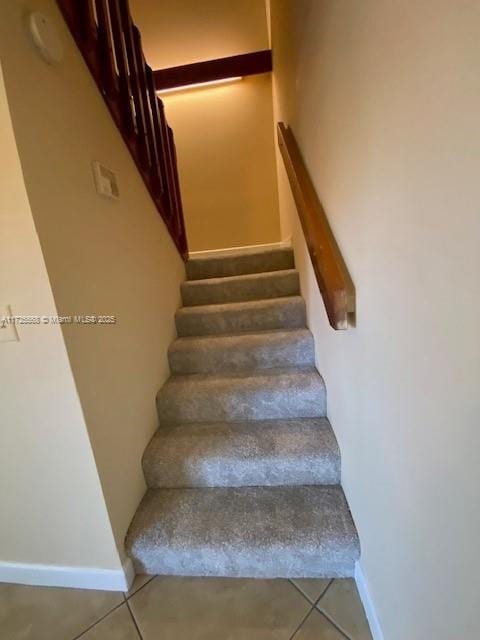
[(242, 454), (260, 532), (237, 264), (255, 395), (237, 317), (244, 470), (254, 286), (266, 350)]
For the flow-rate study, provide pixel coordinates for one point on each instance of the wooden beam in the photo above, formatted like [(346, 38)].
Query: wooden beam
[(246, 64), (332, 275)]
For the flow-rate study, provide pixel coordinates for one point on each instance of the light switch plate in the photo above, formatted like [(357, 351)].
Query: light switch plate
[(8, 330), (105, 181)]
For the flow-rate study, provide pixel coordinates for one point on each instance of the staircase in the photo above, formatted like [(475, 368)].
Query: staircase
[(244, 471)]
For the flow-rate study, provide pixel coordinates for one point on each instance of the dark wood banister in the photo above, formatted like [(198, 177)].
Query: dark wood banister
[(332, 275), (111, 46)]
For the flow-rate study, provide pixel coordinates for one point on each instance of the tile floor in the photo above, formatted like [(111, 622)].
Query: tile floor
[(168, 608)]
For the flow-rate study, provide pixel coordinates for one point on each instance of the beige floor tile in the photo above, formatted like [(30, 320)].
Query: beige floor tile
[(47, 613), (342, 604), (312, 587), (118, 625), (138, 583), (317, 627), (218, 609)]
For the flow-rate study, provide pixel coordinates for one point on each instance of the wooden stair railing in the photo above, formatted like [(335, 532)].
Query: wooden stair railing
[(111, 46), (333, 279)]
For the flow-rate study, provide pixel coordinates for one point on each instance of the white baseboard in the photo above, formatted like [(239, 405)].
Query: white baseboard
[(367, 602), (70, 577), (129, 572), (220, 253)]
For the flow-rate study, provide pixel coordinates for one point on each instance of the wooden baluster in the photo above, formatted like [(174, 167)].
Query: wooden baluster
[(167, 157), (80, 17), (90, 40), (157, 129), (181, 236), (109, 77), (164, 151), (72, 14), (157, 136), (141, 149), (125, 104), (178, 213), (88, 24), (149, 133)]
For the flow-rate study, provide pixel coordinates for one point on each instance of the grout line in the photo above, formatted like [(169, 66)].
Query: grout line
[(324, 592), (335, 624), (127, 598), (302, 622), (315, 606), (307, 598), (326, 615), (133, 618), (301, 592), (99, 620)]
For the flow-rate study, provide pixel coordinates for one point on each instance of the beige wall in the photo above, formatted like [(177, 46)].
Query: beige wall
[(384, 101), (186, 31), (102, 257), (226, 161), (224, 137), (51, 502)]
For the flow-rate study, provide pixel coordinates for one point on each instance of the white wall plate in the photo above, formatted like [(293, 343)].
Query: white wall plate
[(45, 37)]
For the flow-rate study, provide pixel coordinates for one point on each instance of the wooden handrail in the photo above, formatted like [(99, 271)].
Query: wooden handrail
[(333, 279), (111, 46)]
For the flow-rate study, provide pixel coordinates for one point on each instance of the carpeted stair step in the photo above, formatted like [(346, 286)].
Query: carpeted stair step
[(256, 315), (253, 395), (230, 454), (236, 264), (259, 532), (242, 352), (256, 286)]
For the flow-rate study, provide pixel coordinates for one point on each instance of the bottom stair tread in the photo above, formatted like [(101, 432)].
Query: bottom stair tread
[(265, 532)]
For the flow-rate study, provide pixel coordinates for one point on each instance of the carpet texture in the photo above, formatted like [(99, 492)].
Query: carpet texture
[(255, 315), (238, 264), (244, 470), (266, 350), (261, 532), (255, 395), (242, 454), (253, 286)]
